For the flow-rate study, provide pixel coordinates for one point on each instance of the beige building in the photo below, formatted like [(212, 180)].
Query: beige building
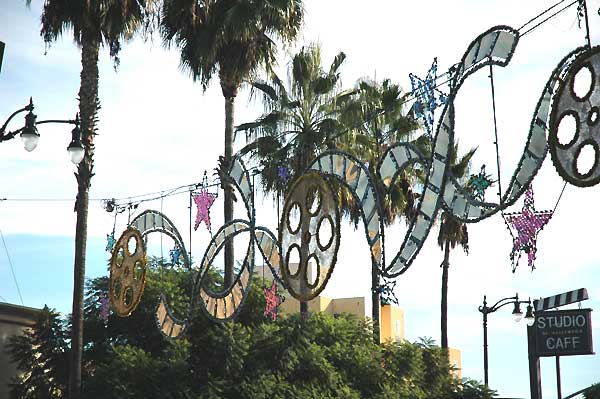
[(391, 318), (13, 320)]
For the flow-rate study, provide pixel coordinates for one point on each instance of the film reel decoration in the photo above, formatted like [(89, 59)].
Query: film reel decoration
[(355, 175), (309, 226), (582, 109), (127, 272)]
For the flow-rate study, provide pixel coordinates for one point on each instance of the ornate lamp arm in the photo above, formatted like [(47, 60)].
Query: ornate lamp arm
[(3, 136)]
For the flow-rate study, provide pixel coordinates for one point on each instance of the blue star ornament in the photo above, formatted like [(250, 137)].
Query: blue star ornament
[(175, 253), (427, 97), (110, 241)]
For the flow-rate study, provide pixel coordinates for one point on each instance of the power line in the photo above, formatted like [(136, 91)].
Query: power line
[(11, 268), (540, 14), (547, 19)]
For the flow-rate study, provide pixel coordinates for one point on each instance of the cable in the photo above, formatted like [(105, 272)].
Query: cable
[(559, 197), (540, 14), (11, 268), (547, 19)]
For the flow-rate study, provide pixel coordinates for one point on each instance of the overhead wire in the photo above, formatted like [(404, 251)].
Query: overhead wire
[(549, 18), (12, 270)]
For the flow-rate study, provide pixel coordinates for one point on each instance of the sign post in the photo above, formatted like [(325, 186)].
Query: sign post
[(557, 333)]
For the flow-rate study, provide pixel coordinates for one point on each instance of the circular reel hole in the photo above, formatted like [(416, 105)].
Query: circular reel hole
[(313, 273), (582, 83), (586, 160), (132, 245), (566, 133), (593, 116), (117, 287), (313, 200), (293, 218), (120, 256), (128, 296), (325, 233), (138, 270), (293, 261)]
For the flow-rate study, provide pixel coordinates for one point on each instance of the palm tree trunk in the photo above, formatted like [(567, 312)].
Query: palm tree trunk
[(88, 107), (444, 309), (228, 197), (375, 301)]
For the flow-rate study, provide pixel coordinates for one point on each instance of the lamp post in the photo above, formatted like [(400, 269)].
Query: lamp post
[(30, 136), (517, 314)]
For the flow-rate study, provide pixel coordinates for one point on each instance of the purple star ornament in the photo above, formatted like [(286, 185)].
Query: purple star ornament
[(527, 224), (104, 309)]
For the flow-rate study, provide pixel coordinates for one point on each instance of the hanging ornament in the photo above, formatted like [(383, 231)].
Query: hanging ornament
[(479, 183), (110, 241), (272, 301), (386, 292), (425, 92), (283, 174), (204, 201), (104, 309), (175, 253), (527, 224)]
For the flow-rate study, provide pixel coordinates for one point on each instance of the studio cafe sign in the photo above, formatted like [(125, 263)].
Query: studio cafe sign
[(564, 332)]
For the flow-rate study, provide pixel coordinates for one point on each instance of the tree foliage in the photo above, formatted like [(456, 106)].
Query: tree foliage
[(253, 357)]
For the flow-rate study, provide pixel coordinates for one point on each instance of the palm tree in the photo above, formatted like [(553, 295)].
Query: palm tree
[(374, 119), (452, 233), (299, 120), (233, 38), (93, 24)]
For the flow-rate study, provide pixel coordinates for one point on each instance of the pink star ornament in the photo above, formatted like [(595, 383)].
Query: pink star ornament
[(204, 201), (273, 300), (527, 224)]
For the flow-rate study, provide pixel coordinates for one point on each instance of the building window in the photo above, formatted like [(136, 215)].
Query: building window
[(397, 330)]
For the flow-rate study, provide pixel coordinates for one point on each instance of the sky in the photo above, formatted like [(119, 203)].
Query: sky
[(157, 130)]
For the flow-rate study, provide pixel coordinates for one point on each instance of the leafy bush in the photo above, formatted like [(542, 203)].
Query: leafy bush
[(254, 357)]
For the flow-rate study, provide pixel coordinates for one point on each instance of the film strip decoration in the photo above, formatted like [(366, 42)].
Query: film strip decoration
[(559, 300), (151, 221), (493, 47), (355, 175)]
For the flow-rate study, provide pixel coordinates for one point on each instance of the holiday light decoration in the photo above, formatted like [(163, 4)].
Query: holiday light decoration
[(528, 223), (127, 272), (110, 241), (309, 228), (104, 309), (427, 97), (493, 48), (175, 254), (283, 174), (386, 292), (203, 201), (578, 104), (272, 301), (479, 183)]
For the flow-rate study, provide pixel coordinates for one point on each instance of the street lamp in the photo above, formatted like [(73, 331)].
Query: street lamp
[(30, 136), (517, 315)]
